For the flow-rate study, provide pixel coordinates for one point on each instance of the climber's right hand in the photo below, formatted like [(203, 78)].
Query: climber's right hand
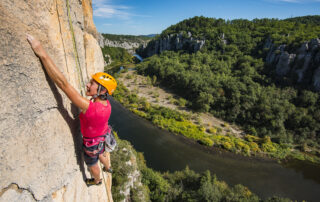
[(36, 46)]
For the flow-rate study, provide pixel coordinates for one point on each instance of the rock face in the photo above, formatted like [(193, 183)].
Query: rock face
[(134, 177), (41, 157), (171, 42), (303, 63), (129, 46), (126, 162)]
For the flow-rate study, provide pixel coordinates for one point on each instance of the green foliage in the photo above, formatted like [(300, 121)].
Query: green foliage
[(186, 185), (129, 76), (268, 147), (121, 170), (244, 35), (252, 138), (310, 19), (117, 54), (227, 145), (156, 183), (179, 123), (230, 79), (182, 102), (212, 130), (206, 141), (127, 38), (154, 79)]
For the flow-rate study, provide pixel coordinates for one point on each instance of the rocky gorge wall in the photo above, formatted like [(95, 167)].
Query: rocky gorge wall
[(171, 42), (302, 64), (40, 147), (129, 46)]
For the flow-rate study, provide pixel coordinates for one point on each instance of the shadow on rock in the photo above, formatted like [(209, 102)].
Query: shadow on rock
[(73, 123)]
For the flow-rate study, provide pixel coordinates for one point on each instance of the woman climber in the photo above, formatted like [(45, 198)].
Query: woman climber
[(94, 114)]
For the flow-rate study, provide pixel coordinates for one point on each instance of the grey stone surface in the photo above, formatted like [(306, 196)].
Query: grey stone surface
[(307, 59), (40, 144), (133, 179), (173, 42), (316, 79), (285, 60), (304, 59), (129, 46), (13, 195)]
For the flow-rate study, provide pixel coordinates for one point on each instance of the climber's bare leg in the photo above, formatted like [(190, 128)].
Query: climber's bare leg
[(105, 159), (95, 172)]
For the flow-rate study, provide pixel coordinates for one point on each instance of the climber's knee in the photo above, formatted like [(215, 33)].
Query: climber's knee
[(94, 169)]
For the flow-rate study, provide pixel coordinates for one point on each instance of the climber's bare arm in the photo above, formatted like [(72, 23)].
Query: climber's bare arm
[(55, 74)]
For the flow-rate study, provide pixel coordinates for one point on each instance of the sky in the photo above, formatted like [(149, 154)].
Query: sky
[(142, 17)]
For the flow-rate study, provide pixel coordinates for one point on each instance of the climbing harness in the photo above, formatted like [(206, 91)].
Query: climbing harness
[(107, 140), (110, 140), (92, 153)]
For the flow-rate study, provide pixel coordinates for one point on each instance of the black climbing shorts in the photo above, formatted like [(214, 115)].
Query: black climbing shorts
[(92, 159)]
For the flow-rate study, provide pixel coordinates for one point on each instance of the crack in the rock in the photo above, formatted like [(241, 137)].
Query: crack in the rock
[(64, 49), (40, 111), (17, 188)]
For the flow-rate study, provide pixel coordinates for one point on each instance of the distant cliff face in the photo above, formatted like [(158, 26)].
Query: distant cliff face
[(122, 42), (40, 147), (172, 42), (303, 63), (130, 46)]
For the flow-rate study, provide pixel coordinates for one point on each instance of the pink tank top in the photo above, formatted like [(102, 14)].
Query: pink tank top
[(95, 121)]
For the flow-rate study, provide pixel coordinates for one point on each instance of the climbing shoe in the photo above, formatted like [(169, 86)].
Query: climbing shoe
[(91, 182), (109, 170)]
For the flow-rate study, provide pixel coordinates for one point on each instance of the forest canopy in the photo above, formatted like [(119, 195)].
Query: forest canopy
[(229, 78)]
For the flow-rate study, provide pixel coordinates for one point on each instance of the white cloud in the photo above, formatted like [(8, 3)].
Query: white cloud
[(100, 2), (105, 9)]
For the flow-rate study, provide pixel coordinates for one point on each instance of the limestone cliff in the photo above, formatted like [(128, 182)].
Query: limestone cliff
[(171, 42), (303, 64), (41, 158), (128, 42)]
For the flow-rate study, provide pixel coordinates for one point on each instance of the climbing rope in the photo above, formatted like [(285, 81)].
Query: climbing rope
[(80, 79), (105, 182)]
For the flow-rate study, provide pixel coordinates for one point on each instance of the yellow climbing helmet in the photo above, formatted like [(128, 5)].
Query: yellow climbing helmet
[(106, 80)]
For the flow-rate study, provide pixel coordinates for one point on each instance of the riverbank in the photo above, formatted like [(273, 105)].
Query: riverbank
[(152, 185), (167, 111), (145, 87), (166, 152)]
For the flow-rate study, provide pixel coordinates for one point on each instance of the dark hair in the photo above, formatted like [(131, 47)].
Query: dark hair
[(103, 96)]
